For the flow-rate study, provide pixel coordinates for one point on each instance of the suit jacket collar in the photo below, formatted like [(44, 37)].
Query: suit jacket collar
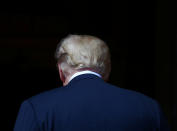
[(81, 77), (83, 72)]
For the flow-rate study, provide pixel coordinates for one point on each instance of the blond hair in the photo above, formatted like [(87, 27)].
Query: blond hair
[(81, 52)]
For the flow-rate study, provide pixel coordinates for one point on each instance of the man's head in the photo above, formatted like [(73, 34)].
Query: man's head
[(82, 52)]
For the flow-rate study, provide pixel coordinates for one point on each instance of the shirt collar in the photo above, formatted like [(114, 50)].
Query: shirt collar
[(84, 72)]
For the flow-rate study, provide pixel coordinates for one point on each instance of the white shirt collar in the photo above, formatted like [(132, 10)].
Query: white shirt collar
[(84, 72)]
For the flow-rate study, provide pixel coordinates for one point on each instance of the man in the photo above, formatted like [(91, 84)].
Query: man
[(86, 102)]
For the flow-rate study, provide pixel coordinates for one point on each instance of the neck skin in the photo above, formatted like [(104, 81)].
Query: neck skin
[(67, 80), (64, 79)]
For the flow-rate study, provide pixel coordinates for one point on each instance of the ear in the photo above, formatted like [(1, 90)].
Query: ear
[(62, 77)]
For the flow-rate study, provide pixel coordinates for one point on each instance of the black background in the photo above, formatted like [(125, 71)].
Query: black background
[(140, 35)]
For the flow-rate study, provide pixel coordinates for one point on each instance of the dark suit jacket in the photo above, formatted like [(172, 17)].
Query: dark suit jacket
[(88, 103)]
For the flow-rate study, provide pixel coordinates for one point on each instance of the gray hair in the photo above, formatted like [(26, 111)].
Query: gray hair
[(83, 51)]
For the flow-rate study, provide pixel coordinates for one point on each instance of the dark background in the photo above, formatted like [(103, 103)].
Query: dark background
[(140, 34)]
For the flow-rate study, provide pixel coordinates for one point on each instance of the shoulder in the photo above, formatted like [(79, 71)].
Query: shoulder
[(143, 98), (46, 98), (132, 95)]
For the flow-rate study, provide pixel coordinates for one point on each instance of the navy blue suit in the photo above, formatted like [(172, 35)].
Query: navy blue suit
[(88, 103)]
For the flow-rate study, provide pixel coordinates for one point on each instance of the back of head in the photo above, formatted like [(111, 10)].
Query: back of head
[(81, 52)]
